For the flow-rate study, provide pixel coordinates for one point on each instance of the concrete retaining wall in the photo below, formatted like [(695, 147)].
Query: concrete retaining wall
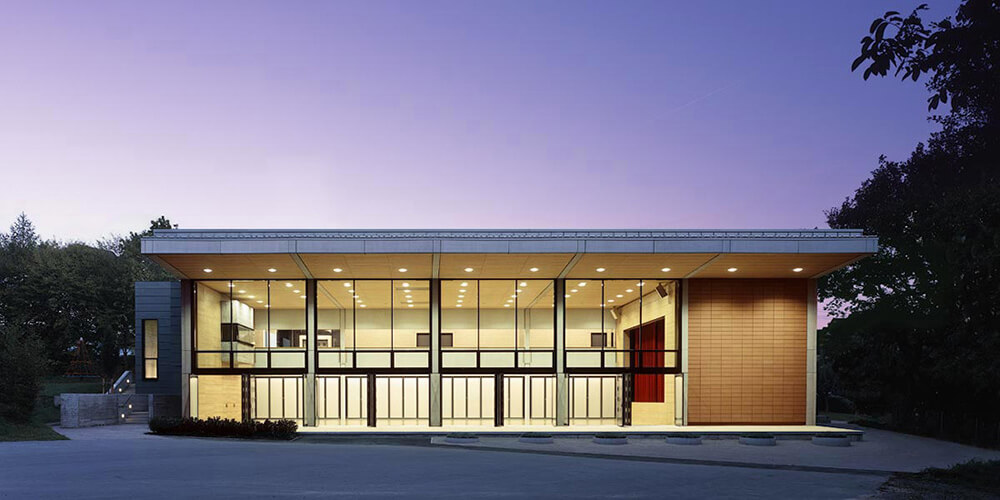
[(86, 410)]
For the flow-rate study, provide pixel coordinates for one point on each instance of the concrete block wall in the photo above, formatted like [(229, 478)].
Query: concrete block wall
[(87, 410)]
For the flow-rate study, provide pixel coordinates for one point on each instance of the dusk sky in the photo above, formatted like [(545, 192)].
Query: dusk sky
[(441, 114)]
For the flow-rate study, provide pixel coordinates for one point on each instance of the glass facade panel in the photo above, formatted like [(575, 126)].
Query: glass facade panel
[(335, 324), (460, 313)]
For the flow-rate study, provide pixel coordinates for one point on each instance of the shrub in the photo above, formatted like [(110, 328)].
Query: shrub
[(610, 435), (22, 365), (462, 435), (536, 435), (219, 427)]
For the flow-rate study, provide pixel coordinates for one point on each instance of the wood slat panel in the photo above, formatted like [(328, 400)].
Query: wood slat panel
[(758, 265), (502, 265), (617, 265), (747, 351), (234, 266), (368, 266)]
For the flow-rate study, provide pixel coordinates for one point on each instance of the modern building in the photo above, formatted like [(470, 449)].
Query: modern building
[(489, 328)]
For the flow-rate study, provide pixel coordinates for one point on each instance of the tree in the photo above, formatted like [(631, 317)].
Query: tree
[(922, 327), (63, 292), (22, 365)]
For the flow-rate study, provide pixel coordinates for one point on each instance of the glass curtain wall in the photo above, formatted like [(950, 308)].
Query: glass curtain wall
[(373, 324), (250, 324), (496, 323)]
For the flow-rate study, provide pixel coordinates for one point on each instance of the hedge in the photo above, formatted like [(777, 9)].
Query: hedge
[(218, 427)]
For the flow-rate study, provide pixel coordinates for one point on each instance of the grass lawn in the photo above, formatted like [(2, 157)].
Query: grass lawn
[(973, 479), (46, 412), (31, 431)]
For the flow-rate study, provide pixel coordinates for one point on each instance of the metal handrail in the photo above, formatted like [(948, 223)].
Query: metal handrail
[(122, 383)]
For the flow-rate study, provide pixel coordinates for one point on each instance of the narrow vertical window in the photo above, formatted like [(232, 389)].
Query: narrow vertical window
[(150, 348)]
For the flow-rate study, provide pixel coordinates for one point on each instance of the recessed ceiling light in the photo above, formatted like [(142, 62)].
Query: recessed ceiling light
[(506, 305), (640, 284), (665, 269), (272, 270), (296, 291), (231, 285), (302, 296), (582, 283), (732, 269), (464, 283), (289, 285), (611, 300), (599, 269), (267, 305), (567, 295), (338, 270), (458, 305), (402, 269), (207, 270), (363, 305), (518, 290), (250, 296), (619, 295), (629, 290), (468, 269), (347, 283), (241, 291), (523, 284), (461, 296), (513, 296), (459, 301), (350, 291), (406, 285), (409, 301), (604, 305), (409, 296), (534, 269), (462, 290), (360, 301), (510, 301), (797, 270), (573, 290), (260, 301), (409, 305)]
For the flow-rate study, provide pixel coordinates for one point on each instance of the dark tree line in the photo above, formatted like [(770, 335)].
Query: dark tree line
[(921, 342), (52, 294)]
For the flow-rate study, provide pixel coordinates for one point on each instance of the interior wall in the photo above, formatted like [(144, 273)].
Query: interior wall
[(747, 351), (209, 334), (219, 396)]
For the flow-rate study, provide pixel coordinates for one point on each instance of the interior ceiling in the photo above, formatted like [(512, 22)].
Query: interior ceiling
[(507, 266)]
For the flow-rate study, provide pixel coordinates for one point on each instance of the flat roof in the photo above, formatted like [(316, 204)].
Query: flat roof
[(257, 241), (505, 253)]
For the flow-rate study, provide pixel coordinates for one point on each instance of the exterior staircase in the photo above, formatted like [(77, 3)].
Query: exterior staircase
[(137, 417)]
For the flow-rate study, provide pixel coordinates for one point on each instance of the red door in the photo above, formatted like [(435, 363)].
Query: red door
[(648, 340)]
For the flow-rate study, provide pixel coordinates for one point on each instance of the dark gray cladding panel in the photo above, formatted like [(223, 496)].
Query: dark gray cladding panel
[(159, 300)]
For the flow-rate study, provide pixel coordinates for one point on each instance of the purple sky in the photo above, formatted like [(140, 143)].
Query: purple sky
[(441, 114)]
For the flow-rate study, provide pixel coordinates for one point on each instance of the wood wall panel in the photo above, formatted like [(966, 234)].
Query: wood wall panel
[(747, 351)]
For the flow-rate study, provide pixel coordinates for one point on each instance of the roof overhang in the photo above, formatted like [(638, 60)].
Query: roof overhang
[(248, 254)]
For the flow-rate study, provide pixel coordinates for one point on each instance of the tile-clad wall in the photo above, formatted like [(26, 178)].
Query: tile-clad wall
[(747, 351)]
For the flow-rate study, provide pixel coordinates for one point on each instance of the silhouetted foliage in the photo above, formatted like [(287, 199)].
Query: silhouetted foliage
[(22, 365), (59, 293), (923, 330)]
